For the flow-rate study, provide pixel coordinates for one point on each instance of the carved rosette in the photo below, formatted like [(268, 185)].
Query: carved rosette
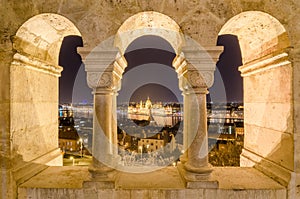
[(208, 78), (195, 79), (105, 80), (102, 80), (93, 79)]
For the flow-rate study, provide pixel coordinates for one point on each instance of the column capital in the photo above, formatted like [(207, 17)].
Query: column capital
[(104, 66), (203, 77), (192, 82), (108, 81), (105, 58), (203, 57)]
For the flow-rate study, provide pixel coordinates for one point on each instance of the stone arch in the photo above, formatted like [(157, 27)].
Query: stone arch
[(194, 65), (267, 76), (259, 34), (41, 36), (34, 74), (149, 23)]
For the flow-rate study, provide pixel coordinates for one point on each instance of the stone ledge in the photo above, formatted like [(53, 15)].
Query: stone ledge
[(197, 181), (229, 178), (149, 193), (28, 170), (67, 182)]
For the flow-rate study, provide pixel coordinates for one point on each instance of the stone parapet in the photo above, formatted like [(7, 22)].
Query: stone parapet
[(235, 183)]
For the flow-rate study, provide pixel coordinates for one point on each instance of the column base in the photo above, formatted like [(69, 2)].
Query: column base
[(202, 171), (102, 176), (197, 180)]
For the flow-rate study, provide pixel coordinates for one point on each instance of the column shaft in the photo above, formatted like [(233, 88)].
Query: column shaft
[(114, 139), (186, 121), (102, 132), (197, 133)]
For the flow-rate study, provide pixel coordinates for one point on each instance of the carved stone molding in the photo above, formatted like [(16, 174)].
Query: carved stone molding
[(180, 64), (36, 64), (268, 62), (103, 80), (192, 83), (106, 80), (98, 59), (119, 65)]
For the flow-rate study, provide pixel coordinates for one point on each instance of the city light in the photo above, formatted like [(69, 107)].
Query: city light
[(73, 160)]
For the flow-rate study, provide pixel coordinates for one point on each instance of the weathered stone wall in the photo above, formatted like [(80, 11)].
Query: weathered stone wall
[(267, 74), (33, 113), (268, 120), (97, 20)]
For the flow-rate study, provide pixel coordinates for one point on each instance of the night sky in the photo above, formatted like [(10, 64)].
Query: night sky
[(70, 60), (149, 72)]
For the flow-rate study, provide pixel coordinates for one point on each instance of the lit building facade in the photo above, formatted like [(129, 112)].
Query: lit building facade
[(150, 145)]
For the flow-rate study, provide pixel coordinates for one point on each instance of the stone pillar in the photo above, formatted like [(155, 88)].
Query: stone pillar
[(186, 113), (197, 161), (104, 68), (114, 121), (195, 67), (194, 165), (104, 156), (102, 123)]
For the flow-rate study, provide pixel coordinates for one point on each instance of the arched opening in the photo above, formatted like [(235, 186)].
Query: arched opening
[(267, 79), (194, 65), (149, 111), (75, 112), (225, 116), (71, 61), (34, 86)]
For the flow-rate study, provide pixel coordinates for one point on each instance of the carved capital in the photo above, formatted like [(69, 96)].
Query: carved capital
[(93, 79), (105, 80), (208, 77), (195, 78)]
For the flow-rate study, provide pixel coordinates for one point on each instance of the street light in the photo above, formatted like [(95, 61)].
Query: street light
[(73, 160), (141, 148), (81, 147)]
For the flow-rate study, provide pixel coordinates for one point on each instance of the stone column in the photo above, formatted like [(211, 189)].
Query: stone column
[(102, 123), (195, 68), (194, 162), (104, 144), (114, 124), (197, 153), (104, 67), (186, 110)]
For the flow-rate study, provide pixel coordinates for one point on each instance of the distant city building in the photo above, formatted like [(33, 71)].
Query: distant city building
[(163, 115), (150, 145), (68, 138)]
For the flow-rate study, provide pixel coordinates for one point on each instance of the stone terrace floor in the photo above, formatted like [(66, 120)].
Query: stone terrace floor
[(66, 182)]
